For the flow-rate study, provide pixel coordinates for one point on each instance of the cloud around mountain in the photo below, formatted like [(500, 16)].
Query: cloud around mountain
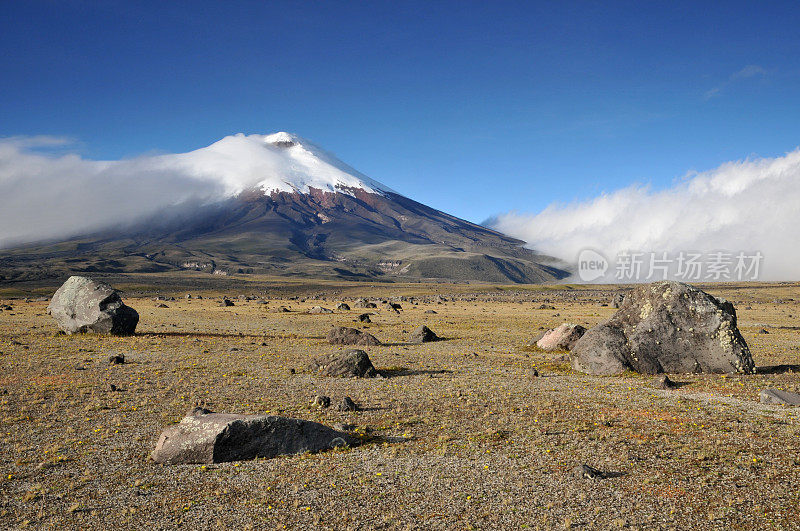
[(52, 195), (750, 206)]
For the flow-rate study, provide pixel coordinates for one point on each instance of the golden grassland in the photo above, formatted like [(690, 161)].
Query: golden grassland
[(464, 435)]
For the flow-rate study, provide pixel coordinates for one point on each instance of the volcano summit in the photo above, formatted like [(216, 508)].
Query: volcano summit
[(285, 206)]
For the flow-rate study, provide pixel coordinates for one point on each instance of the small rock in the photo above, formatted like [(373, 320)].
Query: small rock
[(763, 331), (347, 404), (316, 310), (663, 382), (562, 337), (546, 307), (322, 401), (342, 307), (117, 359), (587, 472), (342, 335), (364, 318), (431, 312), (162, 305), (352, 363), (423, 334), (776, 396)]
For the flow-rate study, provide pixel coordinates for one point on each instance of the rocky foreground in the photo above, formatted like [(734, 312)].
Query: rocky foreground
[(479, 428)]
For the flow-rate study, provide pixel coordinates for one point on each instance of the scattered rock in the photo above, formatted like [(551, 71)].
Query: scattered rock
[(587, 472), (562, 337), (322, 401), (431, 312), (117, 359), (341, 335), (206, 437), (617, 299), (318, 310), (342, 307), (82, 305), (347, 404), (351, 363), (364, 318), (423, 334), (776, 396), (280, 309), (227, 302), (361, 303), (665, 327), (546, 307), (663, 382)]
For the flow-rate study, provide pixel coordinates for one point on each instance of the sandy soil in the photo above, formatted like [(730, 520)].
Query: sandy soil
[(465, 436)]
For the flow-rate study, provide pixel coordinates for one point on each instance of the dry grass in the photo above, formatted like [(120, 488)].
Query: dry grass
[(478, 442)]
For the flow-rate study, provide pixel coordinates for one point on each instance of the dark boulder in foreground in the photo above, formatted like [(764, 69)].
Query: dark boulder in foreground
[(341, 335), (563, 337), (423, 334), (82, 305), (348, 364), (776, 396), (666, 327), (206, 437)]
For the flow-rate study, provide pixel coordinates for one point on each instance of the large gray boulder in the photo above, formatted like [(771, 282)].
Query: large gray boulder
[(82, 305), (665, 327), (348, 364), (563, 337), (206, 437)]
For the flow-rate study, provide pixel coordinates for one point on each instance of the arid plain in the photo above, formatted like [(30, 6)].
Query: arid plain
[(459, 434)]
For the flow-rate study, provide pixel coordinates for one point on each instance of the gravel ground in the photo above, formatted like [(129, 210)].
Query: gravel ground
[(463, 435)]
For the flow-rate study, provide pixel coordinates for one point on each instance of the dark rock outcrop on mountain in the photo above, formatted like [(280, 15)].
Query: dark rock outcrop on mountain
[(666, 327)]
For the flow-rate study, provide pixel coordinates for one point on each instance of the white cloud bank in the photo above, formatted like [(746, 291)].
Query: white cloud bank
[(744, 206), (50, 196)]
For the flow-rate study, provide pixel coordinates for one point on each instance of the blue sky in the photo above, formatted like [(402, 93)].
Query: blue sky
[(475, 108)]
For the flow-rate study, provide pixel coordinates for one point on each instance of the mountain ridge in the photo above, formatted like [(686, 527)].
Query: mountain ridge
[(291, 209)]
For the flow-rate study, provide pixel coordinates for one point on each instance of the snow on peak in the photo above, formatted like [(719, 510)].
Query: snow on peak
[(280, 162)]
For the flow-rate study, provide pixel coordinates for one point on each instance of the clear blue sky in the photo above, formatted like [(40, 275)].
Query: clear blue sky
[(472, 107)]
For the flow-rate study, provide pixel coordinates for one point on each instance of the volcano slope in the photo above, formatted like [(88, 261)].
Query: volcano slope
[(290, 208), (458, 434)]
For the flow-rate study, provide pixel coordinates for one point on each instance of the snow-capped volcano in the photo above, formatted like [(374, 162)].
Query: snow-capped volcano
[(280, 162), (262, 204)]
